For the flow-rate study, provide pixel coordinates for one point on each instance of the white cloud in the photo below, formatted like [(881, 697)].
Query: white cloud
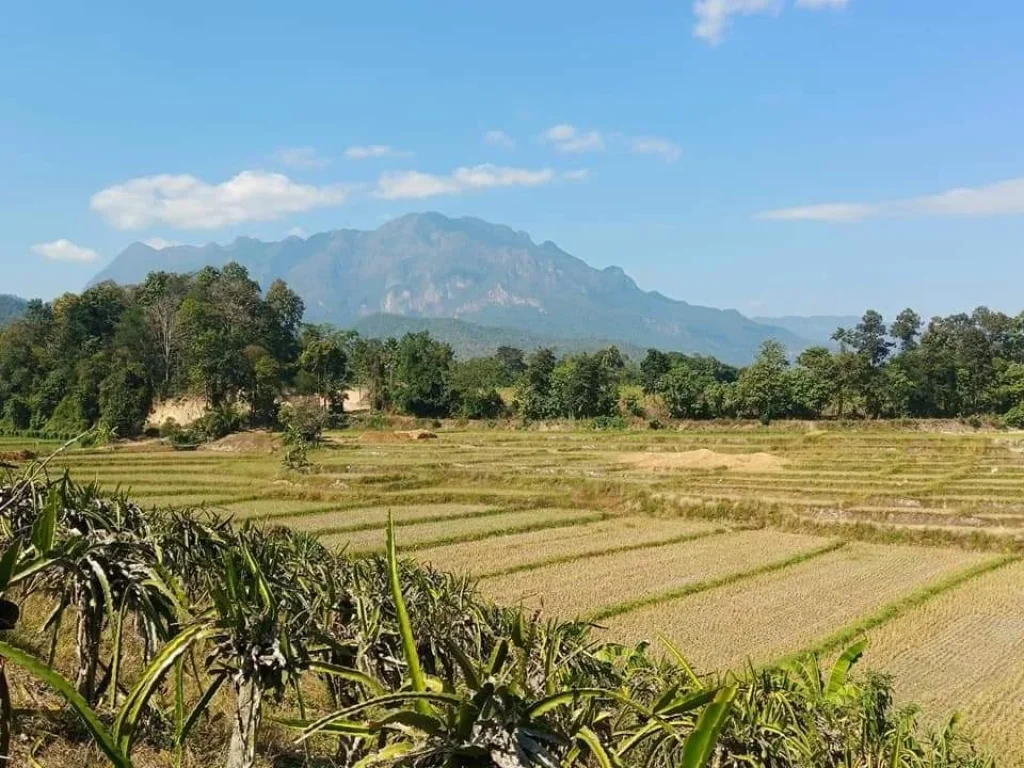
[(159, 243), (190, 203), (580, 174), (821, 212), (499, 139), (374, 150), (414, 184), (64, 250), (815, 5), (1004, 198), (297, 232), (566, 138), (999, 199), (653, 145), (713, 15), (301, 158)]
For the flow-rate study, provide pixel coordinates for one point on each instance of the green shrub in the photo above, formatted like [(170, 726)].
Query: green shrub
[(68, 417), (485, 404), (608, 422), (216, 423), (633, 407), (1014, 417), (304, 427), (17, 413)]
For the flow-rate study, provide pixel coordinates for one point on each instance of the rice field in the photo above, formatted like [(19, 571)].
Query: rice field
[(765, 618), (743, 545), (573, 589), (963, 651)]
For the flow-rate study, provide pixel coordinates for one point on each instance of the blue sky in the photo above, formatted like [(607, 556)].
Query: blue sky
[(777, 156)]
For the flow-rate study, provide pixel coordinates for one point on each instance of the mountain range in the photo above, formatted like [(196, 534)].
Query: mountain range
[(817, 328), (429, 266)]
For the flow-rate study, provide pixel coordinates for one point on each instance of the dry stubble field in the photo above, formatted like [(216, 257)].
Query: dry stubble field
[(744, 546)]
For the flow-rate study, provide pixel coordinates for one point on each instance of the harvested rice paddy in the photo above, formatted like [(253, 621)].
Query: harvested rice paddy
[(524, 551), (774, 614), (741, 544), (573, 589), (463, 529), (375, 518)]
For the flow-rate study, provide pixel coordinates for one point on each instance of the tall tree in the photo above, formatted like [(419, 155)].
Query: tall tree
[(762, 390), (906, 328)]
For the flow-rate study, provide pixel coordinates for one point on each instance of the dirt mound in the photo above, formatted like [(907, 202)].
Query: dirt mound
[(21, 455), (704, 459), (400, 436), (245, 442)]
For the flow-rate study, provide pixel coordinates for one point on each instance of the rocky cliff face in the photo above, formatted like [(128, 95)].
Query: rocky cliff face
[(428, 265)]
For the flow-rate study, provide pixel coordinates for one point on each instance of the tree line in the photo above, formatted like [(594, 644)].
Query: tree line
[(956, 366), (105, 356)]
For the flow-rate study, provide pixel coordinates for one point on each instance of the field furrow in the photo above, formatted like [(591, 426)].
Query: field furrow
[(421, 535), (781, 612), (571, 589), (334, 521), (524, 551), (964, 651)]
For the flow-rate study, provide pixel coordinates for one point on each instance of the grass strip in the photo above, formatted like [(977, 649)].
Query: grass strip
[(572, 558), (367, 526), (846, 635), (617, 609), (481, 535)]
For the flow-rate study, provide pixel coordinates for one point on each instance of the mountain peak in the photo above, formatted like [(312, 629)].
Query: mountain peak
[(431, 266)]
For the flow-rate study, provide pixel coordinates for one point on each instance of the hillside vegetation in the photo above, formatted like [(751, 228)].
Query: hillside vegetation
[(104, 357)]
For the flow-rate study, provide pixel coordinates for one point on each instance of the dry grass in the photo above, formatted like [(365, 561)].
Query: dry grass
[(704, 459), (784, 611), (523, 550), (377, 517), (263, 508), (578, 589), (198, 499), (964, 651), (462, 529)]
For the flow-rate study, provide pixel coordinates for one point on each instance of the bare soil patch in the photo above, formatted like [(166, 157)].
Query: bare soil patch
[(182, 411), (22, 455), (704, 459)]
